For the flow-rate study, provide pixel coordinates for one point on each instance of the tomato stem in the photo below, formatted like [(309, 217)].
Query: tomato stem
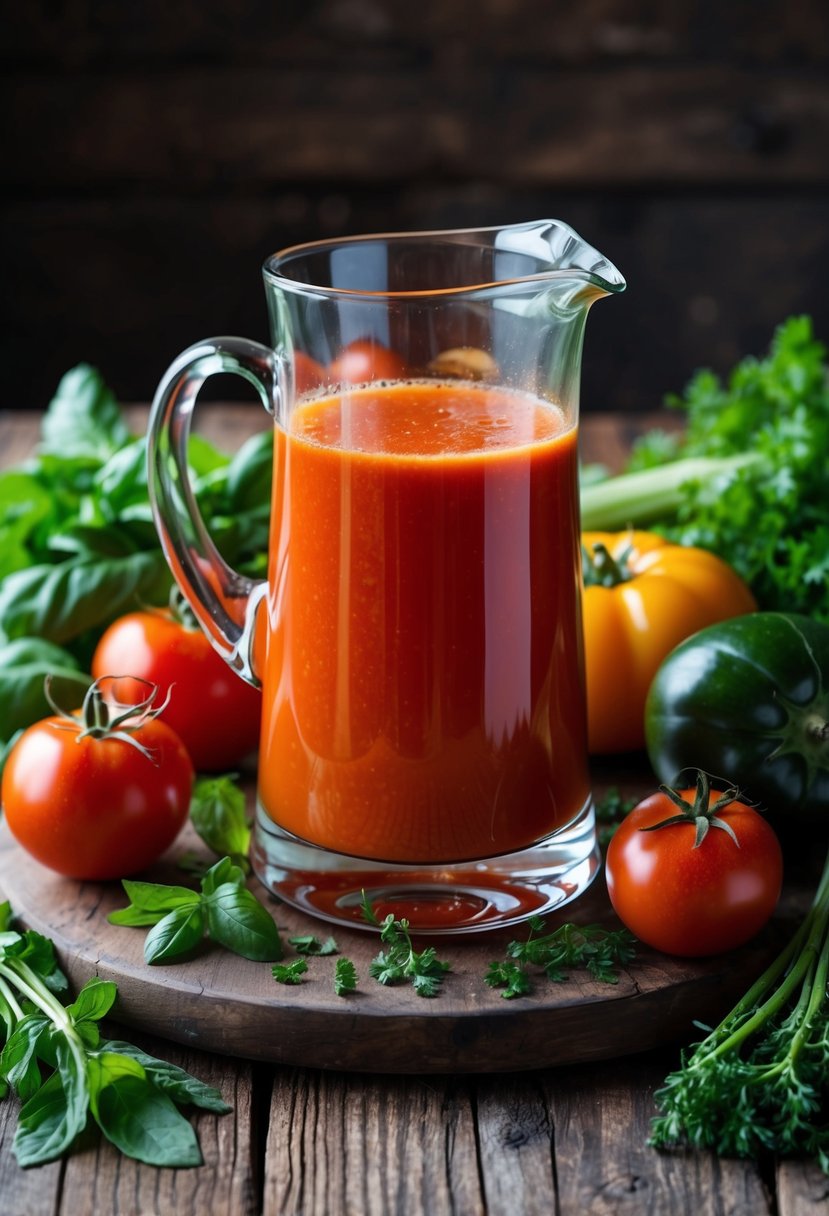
[(107, 718), (601, 569), (700, 812)]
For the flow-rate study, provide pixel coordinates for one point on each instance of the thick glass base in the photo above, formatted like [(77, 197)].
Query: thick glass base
[(462, 897)]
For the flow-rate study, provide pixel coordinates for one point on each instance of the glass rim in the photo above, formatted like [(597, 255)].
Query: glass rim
[(610, 282)]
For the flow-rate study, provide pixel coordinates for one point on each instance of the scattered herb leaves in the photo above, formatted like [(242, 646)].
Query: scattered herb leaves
[(597, 950), (306, 943)]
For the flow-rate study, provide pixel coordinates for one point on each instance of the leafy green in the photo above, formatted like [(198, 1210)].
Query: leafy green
[(62, 1070), (757, 1082), (306, 943), (345, 977), (289, 973), (218, 812), (596, 949), (225, 910), (24, 665), (747, 477), (77, 542), (400, 961)]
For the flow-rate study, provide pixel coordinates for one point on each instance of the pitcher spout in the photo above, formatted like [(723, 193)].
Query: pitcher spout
[(561, 258)]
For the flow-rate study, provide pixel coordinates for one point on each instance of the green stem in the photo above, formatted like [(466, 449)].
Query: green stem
[(638, 499), (813, 931), (11, 1000)]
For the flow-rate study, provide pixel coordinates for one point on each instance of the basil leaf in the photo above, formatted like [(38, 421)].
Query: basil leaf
[(54, 1116), (175, 1081), (142, 1122), (250, 474), (83, 418), (224, 871), (24, 665), (18, 1061), (178, 933), (93, 1001), (237, 920), (59, 602), (150, 901), (38, 953), (219, 814)]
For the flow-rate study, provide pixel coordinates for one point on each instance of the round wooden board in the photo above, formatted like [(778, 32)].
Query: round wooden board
[(223, 1003)]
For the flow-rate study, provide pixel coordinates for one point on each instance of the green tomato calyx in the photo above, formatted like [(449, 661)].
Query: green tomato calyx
[(600, 568), (103, 716), (701, 813)]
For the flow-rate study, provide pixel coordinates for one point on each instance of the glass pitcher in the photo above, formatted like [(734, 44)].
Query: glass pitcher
[(418, 640)]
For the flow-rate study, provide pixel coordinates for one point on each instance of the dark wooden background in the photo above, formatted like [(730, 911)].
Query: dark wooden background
[(156, 152)]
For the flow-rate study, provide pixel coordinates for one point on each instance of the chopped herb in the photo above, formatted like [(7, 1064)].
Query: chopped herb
[(289, 973), (400, 961), (306, 943), (345, 977), (597, 950)]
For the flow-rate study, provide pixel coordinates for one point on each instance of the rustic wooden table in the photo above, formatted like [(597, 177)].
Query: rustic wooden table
[(569, 1140)]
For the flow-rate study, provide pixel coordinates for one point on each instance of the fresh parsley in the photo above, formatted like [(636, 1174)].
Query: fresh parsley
[(747, 476), (345, 977), (225, 910), (289, 973), (306, 943), (757, 1082), (611, 809), (62, 1069), (597, 950), (400, 961)]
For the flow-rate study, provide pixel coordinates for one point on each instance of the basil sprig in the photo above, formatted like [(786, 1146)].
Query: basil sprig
[(224, 910)]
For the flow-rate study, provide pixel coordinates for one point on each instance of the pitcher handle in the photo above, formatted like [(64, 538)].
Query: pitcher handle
[(224, 601)]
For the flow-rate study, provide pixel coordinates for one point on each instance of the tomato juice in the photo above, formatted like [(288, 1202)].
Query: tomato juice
[(423, 685)]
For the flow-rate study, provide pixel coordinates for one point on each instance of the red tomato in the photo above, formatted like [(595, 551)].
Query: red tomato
[(96, 808), (308, 374), (366, 360), (215, 713), (690, 900)]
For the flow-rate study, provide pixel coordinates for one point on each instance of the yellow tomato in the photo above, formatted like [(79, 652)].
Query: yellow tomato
[(642, 597)]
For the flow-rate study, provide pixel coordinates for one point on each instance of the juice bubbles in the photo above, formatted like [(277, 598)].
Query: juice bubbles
[(423, 686)]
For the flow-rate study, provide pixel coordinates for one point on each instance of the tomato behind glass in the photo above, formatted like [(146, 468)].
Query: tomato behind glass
[(365, 360), (693, 899), (97, 805), (215, 713)]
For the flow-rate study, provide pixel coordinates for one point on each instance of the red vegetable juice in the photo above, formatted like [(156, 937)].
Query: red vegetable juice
[(423, 683)]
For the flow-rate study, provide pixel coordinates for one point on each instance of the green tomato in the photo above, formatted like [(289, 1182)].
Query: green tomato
[(748, 701)]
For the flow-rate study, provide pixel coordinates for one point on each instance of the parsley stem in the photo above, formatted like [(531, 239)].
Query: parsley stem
[(11, 1000)]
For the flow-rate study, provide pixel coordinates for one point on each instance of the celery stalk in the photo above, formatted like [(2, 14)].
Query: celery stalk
[(651, 495)]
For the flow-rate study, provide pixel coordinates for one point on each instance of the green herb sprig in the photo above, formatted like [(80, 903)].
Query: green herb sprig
[(746, 477), (400, 961), (63, 1070), (757, 1082), (224, 910), (597, 950)]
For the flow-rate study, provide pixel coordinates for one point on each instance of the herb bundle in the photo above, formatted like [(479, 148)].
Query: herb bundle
[(760, 1080), (132, 1096)]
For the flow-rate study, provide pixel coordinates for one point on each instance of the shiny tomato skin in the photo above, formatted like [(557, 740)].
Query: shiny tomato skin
[(214, 712), (693, 902), (364, 360), (96, 809)]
